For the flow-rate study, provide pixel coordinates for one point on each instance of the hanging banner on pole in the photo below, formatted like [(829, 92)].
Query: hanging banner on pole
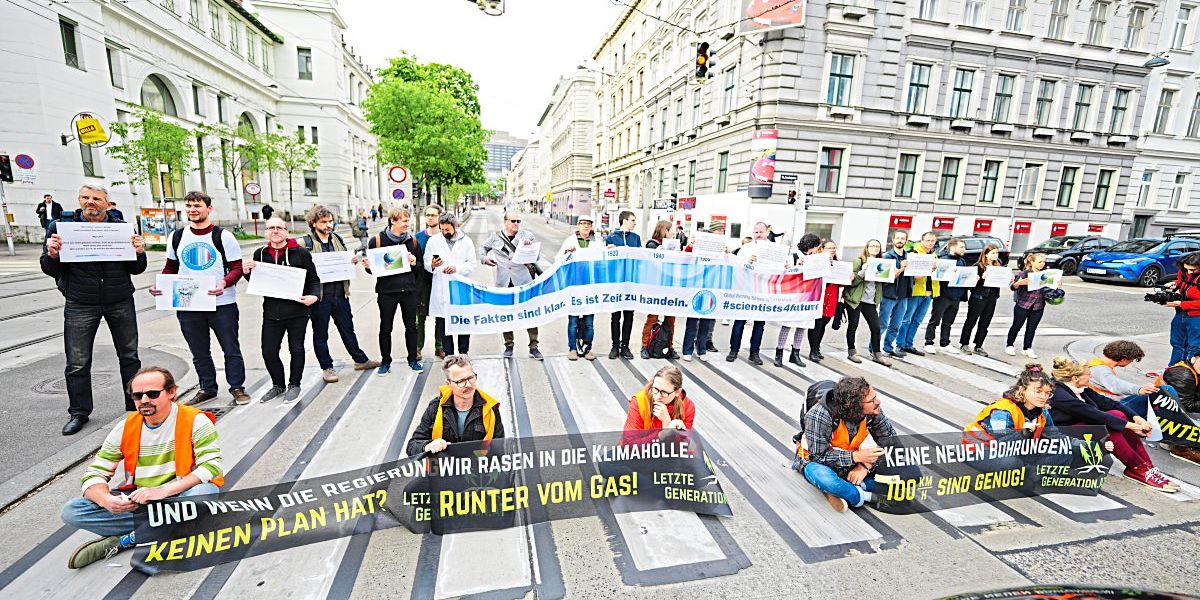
[(763, 144)]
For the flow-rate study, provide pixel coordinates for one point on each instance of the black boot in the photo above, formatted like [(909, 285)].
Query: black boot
[(615, 352), (779, 357), (794, 358), (813, 356), (755, 359)]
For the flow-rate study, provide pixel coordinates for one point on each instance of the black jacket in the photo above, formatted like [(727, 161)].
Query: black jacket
[(278, 309), (902, 287), (475, 431), (981, 292), (56, 211), (412, 281), (1181, 377), (1088, 408), (92, 283), (957, 294)]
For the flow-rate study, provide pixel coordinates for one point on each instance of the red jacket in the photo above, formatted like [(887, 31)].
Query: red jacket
[(832, 293), (1191, 293), (636, 431)]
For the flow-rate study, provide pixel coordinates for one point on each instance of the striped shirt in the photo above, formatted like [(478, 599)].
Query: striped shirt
[(156, 457)]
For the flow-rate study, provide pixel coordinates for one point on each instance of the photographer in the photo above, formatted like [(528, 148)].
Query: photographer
[(1185, 326)]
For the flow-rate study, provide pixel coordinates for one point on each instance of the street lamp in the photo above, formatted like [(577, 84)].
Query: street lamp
[(1158, 60), (491, 8)]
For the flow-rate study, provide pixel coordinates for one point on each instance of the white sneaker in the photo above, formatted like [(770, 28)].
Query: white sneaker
[(951, 350), (702, 357), (1010, 351), (930, 349), (1028, 354), (687, 357)]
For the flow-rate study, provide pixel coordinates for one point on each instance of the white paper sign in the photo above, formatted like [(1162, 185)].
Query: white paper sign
[(881, 269), (671, 244), (964, 276), (185, 293), (711, 245), (1049, 278), (920, 265), (840, 273), (593, 252), (389, 260), (997, 277), (95, 242), (817, 265), (771, 255), (277, 281), (942, 272), (527, 253), (334, 266)]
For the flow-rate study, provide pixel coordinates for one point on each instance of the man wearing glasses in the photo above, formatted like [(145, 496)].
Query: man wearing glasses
[(497, 252), (144, 444), (433, 212), (460, 413)]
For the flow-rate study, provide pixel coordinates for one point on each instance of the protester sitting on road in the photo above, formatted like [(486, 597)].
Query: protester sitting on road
[(1029, 307), (146, 445), (581, 329), (400, 291), (1021, 412), (497, 251), (861, 299), (282, 316), (1104, 380), (840, 444), (809, 244), (475, 415), (981, 304), (1183, 378), (1074, 402), (661, 405), (451, 252), (945, 305), (1185, 325), (664, 230), (621, 321)]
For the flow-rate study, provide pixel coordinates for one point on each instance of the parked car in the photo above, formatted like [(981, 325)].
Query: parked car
[(1146, 261), (1065, 251), (975, 244)]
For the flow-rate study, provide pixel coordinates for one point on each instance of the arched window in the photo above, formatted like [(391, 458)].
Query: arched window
[(157, 96), (246, 122)]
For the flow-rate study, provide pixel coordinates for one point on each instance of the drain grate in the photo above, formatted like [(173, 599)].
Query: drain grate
[(58, 385)]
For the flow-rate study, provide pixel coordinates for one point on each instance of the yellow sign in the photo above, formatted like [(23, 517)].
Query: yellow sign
[(90, 131)]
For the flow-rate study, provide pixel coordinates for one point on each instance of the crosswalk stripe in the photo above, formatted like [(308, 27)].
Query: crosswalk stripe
[(969, 377)]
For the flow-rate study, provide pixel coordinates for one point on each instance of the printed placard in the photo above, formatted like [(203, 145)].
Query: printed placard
[(881, 270), (389, 260)]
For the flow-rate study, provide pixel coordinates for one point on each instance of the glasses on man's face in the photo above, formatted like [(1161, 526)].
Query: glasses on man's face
[(513, 220), (432, 215), (276, 228), (152, 394), (465, 381), (660, 393)]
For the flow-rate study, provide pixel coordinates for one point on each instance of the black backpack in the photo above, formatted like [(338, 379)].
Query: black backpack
[(660, 341), (816, 395), (177, 236)]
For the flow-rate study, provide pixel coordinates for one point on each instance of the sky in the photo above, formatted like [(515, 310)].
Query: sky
[(516, 58)]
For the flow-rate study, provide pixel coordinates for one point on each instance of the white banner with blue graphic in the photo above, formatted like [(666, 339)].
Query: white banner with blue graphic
[(650, 281)]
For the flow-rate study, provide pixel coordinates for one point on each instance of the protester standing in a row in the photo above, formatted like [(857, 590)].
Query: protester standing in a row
[(896, 297), (981, 304), (451, 252), (1028, 308), (861, 298), (400, 291), (749, 254), (433, 212), (924, 290), (829, 305), (664, 230), (497, 251), (621, 321), (945, 305), (809, 244), (580, 328)]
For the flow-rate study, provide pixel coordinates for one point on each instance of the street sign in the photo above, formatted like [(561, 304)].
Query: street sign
[(398, 174), (787, 177), (253, 188), (397, 194), (609, 193), (26, 171)]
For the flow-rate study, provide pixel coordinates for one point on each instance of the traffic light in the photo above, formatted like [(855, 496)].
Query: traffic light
[(674, 201), (791, 196), (703, 62), (5, 169)]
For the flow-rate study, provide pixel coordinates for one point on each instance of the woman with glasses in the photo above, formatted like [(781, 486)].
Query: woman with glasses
[(460, 413), (660, 406)]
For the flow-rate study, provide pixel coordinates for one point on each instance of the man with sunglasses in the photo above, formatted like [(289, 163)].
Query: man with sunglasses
[(460, 413), (497, 252), (145, 445), (433, 212)]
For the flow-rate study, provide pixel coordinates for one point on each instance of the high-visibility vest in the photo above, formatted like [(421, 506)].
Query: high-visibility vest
[(841, 439), (1099, 362), (185, 457), (977, 430), (489, 415), (1159, 382), (643, 404)]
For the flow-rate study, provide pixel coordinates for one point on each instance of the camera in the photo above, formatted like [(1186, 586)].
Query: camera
[(1163, 295)]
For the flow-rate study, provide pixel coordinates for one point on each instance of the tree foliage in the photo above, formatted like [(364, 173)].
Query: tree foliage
[(148, 140), (443, 78), (239, 148)]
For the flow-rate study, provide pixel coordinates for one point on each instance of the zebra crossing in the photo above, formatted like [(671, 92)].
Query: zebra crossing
[(747, 415)]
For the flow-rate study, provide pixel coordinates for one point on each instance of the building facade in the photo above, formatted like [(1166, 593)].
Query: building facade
[(500, 151), (570, 124), (522, 178)]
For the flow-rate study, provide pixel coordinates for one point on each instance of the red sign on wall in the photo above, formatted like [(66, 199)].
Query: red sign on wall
[(1022, 227), (1096, 228), (983, 225), (900, 222), (943, 223), (1058, 229), (687, 203)]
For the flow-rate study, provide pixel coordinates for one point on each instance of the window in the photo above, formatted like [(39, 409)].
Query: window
[(960, 95), (928, 9), (194, 13), (641, 83), (829, 173), (722, 172), (313, 130), (691, 182), (1182, 19), (1083, 107), (1162, 116), (973, 14), (907, 175), (234, 34), (1002, 104), (1194, 122), (1027, 186), (310, 183), (304, 63), (650, 131), (156, 96), (251, 48), (990, 181), (1059, 19), (730, 83), (663, 122), (221, 107), (114, 66), (169, 5), (1120, 104), (198, 100), (696, 108), (1066, 187), (679, 115), (1177, 190), (1097, 23), (69, 42), (1044, 108), (89, 161), (674, 179), (918, 88), (948, 184), (1104, 185), (300, 132), (1145, 186), (214, 21), (1014, 18), (266, 56), (1133, 32), (841, 78)]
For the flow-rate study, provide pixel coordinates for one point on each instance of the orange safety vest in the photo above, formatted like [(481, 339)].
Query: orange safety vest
[(1099, 362), (1159, 382), (977, 430), (643, 404), (841, 439), (185, 458), (489, 415)]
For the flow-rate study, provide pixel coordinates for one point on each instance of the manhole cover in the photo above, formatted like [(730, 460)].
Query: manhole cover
[(58, 385)]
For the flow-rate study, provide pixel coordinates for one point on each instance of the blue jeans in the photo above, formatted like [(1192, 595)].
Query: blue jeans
[(1185, 336), (756, 335), (826, 480), (84, 514), (1138, 404), (891, 317), (914, 313), (696, 333), (337, 308), (580, 333), (224, 323), (80, 323)]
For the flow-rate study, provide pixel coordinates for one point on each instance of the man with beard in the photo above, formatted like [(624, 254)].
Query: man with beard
[(450, 252), (433, 212)]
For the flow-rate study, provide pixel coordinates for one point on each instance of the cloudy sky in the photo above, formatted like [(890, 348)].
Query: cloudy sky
[(515, 58)]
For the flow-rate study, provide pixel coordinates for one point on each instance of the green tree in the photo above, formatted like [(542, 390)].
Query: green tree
[(241, 151), (289, 153), (150, 140), (443, 78)]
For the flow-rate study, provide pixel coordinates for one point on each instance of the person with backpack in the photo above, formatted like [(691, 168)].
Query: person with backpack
[(656, 329), (945, 304), (204, 249), (400, 291), (433, 212), (659, 408), (497, 251), (334, 302), (580, 328), (360, 229), (843, 437), (1183, 378), (621, 321)]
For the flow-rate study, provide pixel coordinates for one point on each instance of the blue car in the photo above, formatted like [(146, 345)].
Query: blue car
[(1145, 261)]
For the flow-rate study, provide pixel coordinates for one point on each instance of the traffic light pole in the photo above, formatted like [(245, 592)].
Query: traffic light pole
[(800, 216), (8, 233)]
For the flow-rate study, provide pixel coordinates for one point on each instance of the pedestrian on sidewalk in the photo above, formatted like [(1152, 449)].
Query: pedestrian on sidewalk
[(497, 251), (809, 244), (663, 230), (93, 291), (362, 231), (749, 254), (48, 211), (1029, 306), (115, 212), (897, 295), (400, 291), (580, 328), (925, 289), (461, 412), (450, 252), (432, 213), (828, 306), (945, 305), (1185, 325), (659, 409), (282, 316), (860, 298), (621, 321), (334, 302), (206, 250), (981, 304), (156, 466), (267, 212)]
